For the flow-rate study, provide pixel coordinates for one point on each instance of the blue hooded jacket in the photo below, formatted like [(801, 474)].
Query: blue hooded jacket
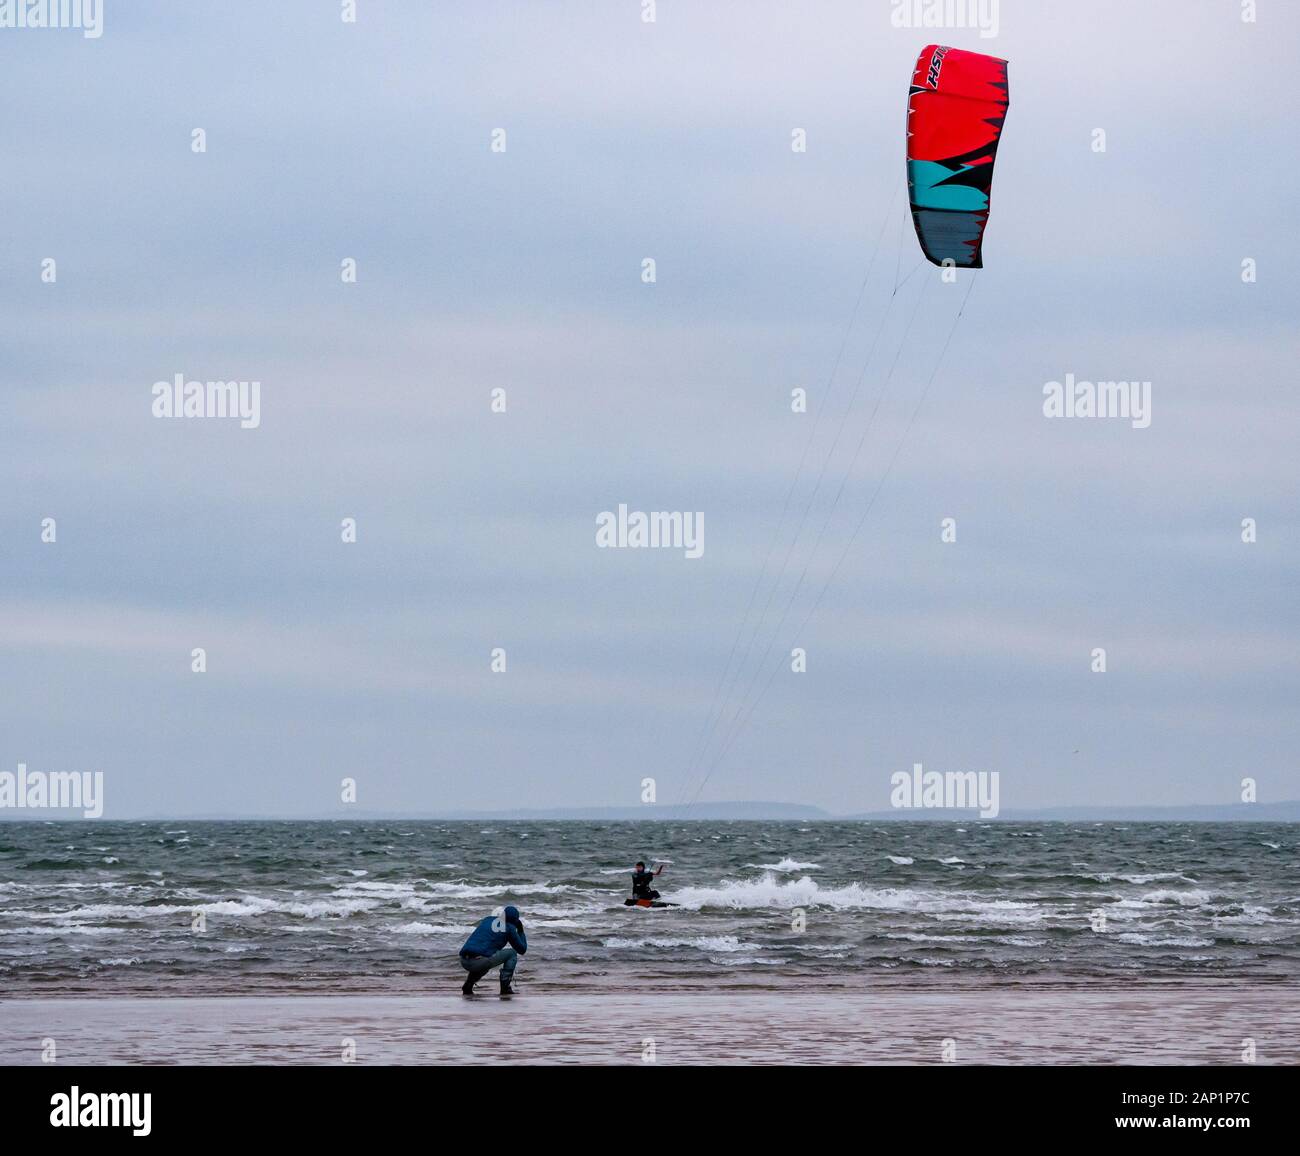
[(487, 940)]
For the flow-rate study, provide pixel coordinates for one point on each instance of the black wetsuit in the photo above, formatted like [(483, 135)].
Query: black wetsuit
[(642, 885)]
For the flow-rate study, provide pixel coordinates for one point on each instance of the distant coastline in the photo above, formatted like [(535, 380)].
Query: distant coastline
[(1284, 812)]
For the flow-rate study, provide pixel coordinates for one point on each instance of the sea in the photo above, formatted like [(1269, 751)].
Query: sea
[(333, 907)]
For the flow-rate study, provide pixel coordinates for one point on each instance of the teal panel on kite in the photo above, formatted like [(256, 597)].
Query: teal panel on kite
[(956, 106)]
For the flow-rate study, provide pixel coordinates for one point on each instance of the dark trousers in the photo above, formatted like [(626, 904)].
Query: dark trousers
[(479, 965)]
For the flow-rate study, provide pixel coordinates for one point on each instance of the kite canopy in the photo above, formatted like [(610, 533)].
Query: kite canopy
[(956, 106)]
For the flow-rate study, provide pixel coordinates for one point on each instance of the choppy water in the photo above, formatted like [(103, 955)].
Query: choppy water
[(108, 907)]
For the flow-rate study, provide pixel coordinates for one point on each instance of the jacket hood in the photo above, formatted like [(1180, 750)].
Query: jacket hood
[(512, 914)]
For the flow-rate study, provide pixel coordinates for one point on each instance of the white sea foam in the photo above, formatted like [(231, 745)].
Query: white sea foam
[(1193, 898), (69, 930), (701, 942), (1152, 877), (43, 886), (993, 913), (375, 887), (768, 891), (417, 928), (248, 905), (786, 865), (1146, 940), (461, 890), (900, 860)]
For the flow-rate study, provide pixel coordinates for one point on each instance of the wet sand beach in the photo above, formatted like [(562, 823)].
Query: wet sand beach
[(1134, 1024)]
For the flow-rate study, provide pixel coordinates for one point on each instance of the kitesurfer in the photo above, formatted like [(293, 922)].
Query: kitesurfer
[(497, 941), (642, 880)]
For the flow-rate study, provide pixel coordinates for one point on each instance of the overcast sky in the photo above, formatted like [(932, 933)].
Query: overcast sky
[(522, 270)]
